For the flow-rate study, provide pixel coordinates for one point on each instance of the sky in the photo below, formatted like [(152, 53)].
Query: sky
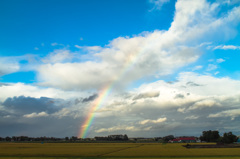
[(145, 68)]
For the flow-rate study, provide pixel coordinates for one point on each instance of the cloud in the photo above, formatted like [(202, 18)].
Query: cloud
[(231, 2), (8, 65), (204, 103), (58, 56), (89, 48), (179, 96), (26, 105), (120, 113), (90, 98), (228, 113), (20, 89), (197, 68), (220, 60), (57, 44), (147, 121), (149, 54), (147, 95), (158, 4), (191, 117), (211, 67), (117, 128), (34, 115), (227, 47)]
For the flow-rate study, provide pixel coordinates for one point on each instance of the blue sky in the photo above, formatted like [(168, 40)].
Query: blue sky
[(173, 64)]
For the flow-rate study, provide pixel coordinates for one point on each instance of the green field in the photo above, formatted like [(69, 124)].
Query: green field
[(111, 151)]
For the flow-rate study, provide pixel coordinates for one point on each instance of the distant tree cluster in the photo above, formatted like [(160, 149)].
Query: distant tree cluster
[(26, 138), (213, 136), (168, 138), (112, 138)]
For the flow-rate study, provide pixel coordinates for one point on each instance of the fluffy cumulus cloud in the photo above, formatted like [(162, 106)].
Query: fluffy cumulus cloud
[(21, 89), (205, 102), (154, 53)]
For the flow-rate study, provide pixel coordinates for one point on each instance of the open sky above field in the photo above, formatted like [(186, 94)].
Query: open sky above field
[(145, 68)]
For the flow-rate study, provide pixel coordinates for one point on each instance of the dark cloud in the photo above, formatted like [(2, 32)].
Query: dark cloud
[(172, 82), (179, 96), (26, 105), (13, 121), (147, 95), (192, 84), (90, 98)]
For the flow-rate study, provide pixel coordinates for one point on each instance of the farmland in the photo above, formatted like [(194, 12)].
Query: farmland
[(111, 151)]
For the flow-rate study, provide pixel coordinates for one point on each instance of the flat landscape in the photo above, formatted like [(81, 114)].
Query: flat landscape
[(111, 151)]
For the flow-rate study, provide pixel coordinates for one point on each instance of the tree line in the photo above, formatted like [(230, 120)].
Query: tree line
[(213, 136), (207, 136)]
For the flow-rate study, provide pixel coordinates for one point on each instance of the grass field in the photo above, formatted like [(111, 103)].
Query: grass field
[(111, 151)]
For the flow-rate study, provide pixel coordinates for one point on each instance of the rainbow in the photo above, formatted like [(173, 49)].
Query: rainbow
[(97, 104)]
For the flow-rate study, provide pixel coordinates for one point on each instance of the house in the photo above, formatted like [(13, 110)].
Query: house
[(184, 140)]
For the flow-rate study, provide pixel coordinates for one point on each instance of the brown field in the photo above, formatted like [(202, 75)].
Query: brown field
[(111, 151)]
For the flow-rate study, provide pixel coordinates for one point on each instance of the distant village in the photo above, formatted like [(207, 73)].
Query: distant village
[(207, 136)]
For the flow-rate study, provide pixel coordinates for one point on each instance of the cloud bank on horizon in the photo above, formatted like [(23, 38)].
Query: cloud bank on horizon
[(180, 80)]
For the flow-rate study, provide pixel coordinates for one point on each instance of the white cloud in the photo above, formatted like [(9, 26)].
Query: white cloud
[(20, 89), (231, 2), (147, 121), (226, 47), (211, 67), (158, 4), (228, 113), (8, 65), (117, 128), (197, 68), (58, 56), (35, 115), (89, 48), (193, 117), (220, 60), (204, 103), (150, 54)]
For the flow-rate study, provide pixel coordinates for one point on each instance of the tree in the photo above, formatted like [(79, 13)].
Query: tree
[(125, 137), (73, 138), (168, 138), (8, 138), (229, 138), (210, 136)]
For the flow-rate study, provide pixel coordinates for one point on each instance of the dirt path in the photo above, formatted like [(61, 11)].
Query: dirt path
[(125, 148)]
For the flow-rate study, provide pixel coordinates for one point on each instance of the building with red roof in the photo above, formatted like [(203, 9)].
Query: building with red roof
[(184, 140)]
